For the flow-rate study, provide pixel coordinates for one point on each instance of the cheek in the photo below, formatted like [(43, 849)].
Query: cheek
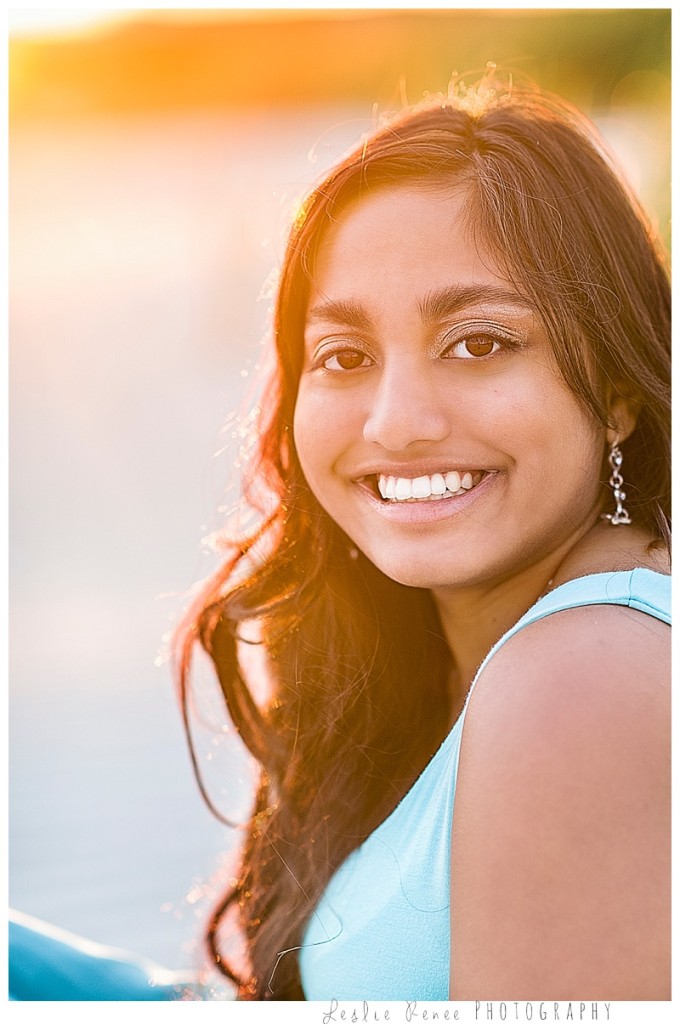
[(316, 433), (540, 422), (562, 444)]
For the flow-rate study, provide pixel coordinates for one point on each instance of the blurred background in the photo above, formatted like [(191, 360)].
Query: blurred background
[(155, 159)]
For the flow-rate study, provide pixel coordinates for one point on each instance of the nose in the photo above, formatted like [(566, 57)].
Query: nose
[(406, 407)]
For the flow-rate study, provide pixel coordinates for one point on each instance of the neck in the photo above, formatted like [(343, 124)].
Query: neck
[(475, 618)]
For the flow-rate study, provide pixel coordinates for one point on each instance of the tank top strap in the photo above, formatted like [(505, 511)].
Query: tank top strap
[(642, 589)]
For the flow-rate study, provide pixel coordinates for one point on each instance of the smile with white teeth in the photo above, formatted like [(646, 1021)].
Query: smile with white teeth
[(427, 488)]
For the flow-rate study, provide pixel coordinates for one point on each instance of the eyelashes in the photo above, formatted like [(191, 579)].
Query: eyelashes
[(473, 347), (339, 356), (345, 360), (347, 356), (478, 342)]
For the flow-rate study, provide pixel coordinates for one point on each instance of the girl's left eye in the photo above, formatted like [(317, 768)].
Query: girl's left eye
[(474, 347)]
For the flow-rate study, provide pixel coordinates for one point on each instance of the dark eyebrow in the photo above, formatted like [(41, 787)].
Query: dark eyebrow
[(344, 311), (435, 306), (443, 302)]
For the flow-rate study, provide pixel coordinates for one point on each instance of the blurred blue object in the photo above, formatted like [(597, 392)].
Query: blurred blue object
[(48, 963)]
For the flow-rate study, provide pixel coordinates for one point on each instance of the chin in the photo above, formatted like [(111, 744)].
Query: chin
[(419, 572)]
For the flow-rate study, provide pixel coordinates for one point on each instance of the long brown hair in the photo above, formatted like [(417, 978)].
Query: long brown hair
[(343, 731)]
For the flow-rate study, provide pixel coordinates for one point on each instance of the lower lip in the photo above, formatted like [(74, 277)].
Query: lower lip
[(428, 511)]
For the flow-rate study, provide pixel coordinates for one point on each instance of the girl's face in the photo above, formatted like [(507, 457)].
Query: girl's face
[(432, 423)]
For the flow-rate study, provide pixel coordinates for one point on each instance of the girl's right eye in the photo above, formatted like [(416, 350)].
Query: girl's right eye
[(344, 359)]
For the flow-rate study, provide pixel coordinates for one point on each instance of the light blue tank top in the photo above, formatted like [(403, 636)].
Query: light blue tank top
[(381, 929)]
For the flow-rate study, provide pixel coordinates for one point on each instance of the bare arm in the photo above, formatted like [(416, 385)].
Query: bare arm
[(561, 839)]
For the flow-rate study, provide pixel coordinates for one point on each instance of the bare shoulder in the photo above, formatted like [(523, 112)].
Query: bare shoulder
[(561, 841), (586, 662)]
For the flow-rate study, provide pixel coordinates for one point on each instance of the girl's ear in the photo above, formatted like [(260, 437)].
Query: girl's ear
[(624, 408)]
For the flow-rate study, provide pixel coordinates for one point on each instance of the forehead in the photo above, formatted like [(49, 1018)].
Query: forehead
[(416, 234)]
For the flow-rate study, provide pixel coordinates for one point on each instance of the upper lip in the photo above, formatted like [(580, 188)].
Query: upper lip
[(412, 470)]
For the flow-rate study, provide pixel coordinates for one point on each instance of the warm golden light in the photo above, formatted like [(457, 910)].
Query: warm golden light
[(48, 21)]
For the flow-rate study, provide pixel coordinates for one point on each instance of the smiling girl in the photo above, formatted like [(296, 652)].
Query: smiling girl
[(461, 582)]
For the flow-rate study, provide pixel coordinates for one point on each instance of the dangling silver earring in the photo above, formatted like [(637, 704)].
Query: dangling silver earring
[(620, 517)]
